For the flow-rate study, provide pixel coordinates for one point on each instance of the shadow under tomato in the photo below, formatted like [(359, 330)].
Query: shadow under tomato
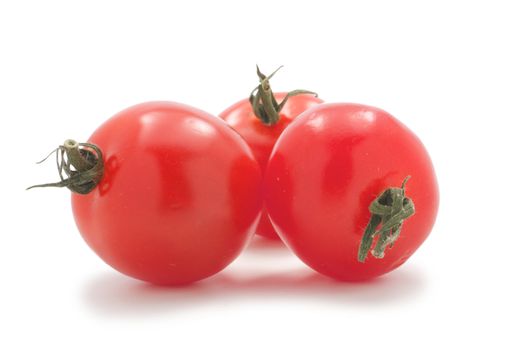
[(263, 244), (114, 295)]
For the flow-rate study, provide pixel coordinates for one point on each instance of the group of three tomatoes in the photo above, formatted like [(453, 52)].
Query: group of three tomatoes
[(169, 194)]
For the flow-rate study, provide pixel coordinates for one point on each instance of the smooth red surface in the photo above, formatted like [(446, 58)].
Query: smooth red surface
[(180, 196), (262, 138), (325, 170)]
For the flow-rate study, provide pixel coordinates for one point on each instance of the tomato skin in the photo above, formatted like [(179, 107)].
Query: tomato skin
[(180, 196), (261, 138), (326, 169)]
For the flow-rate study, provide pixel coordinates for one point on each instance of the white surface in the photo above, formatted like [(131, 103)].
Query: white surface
[(452, 71)]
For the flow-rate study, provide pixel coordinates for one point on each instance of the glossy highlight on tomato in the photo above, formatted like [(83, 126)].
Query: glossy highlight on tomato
[(326, 169), (261, 138), (180, 196)]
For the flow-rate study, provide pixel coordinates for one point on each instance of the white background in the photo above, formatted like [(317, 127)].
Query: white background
[(452, 71)]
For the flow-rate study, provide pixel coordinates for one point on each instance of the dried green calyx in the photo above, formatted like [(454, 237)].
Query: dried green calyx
[(264, 104), (389, 210), (80, 166)]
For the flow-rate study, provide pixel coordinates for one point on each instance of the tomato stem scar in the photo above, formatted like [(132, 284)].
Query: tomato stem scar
[(389, 210), (80, 166), (264, 104)]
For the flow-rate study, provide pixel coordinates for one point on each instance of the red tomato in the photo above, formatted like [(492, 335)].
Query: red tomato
[(180, 195), (262, 137), (325, 171)]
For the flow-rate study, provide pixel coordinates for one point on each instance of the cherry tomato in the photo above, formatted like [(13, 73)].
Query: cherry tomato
[(261, 137), (330, 175), (179, 198)]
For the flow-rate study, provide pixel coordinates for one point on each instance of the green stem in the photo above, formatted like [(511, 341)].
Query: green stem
[(75, 157), (264, 104)]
